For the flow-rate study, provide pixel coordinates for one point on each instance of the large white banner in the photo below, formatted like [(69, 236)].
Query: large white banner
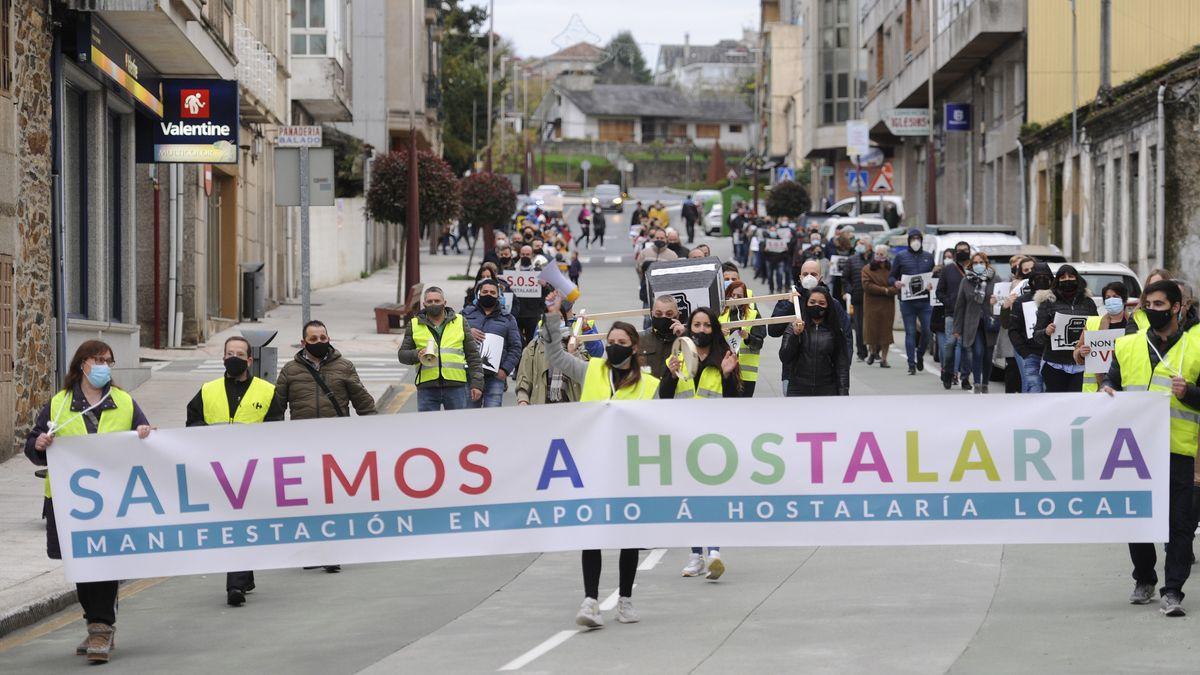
[(740, 472)]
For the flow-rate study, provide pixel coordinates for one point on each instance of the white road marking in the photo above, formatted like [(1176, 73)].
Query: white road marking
[(612, 258), (529, 656), (652, 560)]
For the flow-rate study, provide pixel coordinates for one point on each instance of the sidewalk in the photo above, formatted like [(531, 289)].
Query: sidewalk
[(32, 587)]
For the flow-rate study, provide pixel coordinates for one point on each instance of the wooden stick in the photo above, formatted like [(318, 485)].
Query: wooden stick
[(617, 315), (759, 298), (764, 321)]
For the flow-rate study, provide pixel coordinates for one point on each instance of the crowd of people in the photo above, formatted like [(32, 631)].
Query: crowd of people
[(840, 296)]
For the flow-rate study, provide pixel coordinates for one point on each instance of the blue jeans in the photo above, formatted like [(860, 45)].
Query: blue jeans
[(493, 392), (974, 358), (913, 311), (1031, 374), (442, 398), (952, 352)]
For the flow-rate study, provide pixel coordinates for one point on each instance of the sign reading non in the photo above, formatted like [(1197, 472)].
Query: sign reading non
[(908, 122), (958, 116), (199, 124), (299, 137)]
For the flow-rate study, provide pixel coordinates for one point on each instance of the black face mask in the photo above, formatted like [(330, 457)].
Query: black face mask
[(1068, 288), (434, 311), (961, 257), (1040, 283), (702, 339), (487, 301), (235, 367), (318, 349), (660, 244), (1158, 318), (525, 260), (1016, 272), (618, 356), (662, 325), (816, 311)]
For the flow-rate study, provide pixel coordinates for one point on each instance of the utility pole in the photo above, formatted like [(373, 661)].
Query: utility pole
[(930, 155), (491, 61), (757, 119), (412, 244)]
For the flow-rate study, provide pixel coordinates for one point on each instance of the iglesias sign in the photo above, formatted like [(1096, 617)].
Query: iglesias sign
[(199, 124)]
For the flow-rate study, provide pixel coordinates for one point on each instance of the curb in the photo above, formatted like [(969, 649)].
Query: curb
[(26, 615)]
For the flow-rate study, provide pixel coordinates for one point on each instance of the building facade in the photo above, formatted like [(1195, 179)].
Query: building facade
[(723, 67), (781, 78), (414, 84)]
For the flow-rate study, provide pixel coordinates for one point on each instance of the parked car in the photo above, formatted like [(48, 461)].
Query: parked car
[(871, 205), (1098, 275), (998, 256), (551, 202), (704, 197), (868, 225), (941, 237), (550, 187), (608, 197), (712, 220)]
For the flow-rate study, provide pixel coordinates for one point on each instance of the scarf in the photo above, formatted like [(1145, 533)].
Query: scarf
[(554, 393), (979, 286)]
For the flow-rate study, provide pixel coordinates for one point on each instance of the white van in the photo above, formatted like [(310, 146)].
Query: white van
[(871, 205)]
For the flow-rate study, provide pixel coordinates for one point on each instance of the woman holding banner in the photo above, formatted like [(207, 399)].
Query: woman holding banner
[(718, 376), (615, 376), (749, 355), (1070, 299), (89, 403)]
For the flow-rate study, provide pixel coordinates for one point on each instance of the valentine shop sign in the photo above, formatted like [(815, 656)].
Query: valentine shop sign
[(1055, 468)]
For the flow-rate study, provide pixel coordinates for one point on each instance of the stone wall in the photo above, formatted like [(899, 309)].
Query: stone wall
[(1182, 198), (32, 44)]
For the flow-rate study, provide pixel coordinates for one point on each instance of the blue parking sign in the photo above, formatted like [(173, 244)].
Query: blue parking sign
[(958, 117)]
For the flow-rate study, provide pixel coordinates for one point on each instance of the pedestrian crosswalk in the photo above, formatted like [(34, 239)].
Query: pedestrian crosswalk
[(606, 259), (370, 368)]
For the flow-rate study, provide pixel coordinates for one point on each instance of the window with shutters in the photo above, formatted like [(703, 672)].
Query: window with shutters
[(6, 318), (708, 131), (620, 131)]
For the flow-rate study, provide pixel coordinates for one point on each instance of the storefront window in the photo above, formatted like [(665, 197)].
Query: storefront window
[(75, 219)]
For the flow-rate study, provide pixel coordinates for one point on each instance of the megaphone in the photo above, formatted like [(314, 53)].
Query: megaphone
[(554, 276), (430, 358), (685, 350)]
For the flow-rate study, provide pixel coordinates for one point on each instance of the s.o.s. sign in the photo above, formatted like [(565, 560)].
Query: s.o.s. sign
[(199, 124)]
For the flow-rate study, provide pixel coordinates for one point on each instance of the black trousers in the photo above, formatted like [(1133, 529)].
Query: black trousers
[(748, 389), (241, 581), (859, 345), (98, 598), (527, 325), (691, 230), (1060, 382), (1181, 514), (627, 568)]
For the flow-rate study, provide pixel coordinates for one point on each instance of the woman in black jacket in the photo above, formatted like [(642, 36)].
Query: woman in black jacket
[(815, 348), (1060, 373)]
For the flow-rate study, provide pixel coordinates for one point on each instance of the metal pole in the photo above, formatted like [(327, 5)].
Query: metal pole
[(58, 212), (491, 61), (1105, 94), (931, 215), (757, 119), (1074, 80), (412, 255), (305, 278), (859, 183), (474, 129)]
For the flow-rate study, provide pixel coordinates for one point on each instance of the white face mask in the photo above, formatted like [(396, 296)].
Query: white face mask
[(915, 245), (809, 282)]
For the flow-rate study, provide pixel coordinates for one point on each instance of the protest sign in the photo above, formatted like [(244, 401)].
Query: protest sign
[(1029, 309), (776, 245), (915, 286), (1068, 328), (1098, 357), (933, 293), (622, 474), (523, 284), (1000, 291), (837, 263), (490, 351)]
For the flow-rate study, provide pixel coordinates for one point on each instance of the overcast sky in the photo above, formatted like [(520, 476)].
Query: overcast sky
[(542, 27)]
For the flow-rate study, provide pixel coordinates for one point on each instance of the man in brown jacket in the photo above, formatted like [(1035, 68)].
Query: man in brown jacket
[(319, 382)]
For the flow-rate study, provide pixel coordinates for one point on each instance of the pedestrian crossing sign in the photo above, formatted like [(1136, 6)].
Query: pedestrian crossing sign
[(856, 180), (784, 173)]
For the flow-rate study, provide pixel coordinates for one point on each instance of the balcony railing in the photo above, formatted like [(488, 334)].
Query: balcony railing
[(256, 67)]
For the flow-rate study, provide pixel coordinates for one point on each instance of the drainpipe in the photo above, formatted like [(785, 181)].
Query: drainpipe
[(1024, 191), (58, 208), (1160, 206), (172, 246), (177, 263), (157, 253)]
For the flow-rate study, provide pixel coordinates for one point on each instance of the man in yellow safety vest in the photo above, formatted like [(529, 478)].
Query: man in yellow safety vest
[(1165, 358), (237, 397)]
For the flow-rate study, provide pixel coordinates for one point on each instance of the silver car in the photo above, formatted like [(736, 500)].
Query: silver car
[(608, 198)]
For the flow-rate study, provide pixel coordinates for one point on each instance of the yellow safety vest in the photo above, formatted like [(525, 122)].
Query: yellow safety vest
[(70, 423), (1133, 353), (709, 386), (1139, 317), (1090, 379), (252, 410), (749, 358), (597, 385), (452, 360)]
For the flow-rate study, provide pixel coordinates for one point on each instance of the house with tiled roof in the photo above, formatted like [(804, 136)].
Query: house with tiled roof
[(724, 66), (576, 108), (580, 57)]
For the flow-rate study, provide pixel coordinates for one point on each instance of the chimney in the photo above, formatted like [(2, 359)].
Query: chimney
[(687, 48)]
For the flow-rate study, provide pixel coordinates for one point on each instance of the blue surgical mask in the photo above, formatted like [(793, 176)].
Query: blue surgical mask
[(860, 249), (726, 284), (1114, 305), (978, 269), (99, 376)]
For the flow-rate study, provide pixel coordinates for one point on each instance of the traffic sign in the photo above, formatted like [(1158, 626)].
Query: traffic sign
[(585, 165), (856, 180), (783, 173), (299, 137), (883, 183), (858, 138)]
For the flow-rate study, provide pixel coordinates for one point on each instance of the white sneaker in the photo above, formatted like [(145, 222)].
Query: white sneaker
[(695, 566), (715, 567), (625, 611), (589, 614)]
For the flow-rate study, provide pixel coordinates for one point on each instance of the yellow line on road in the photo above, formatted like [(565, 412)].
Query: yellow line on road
[(70, 616)]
